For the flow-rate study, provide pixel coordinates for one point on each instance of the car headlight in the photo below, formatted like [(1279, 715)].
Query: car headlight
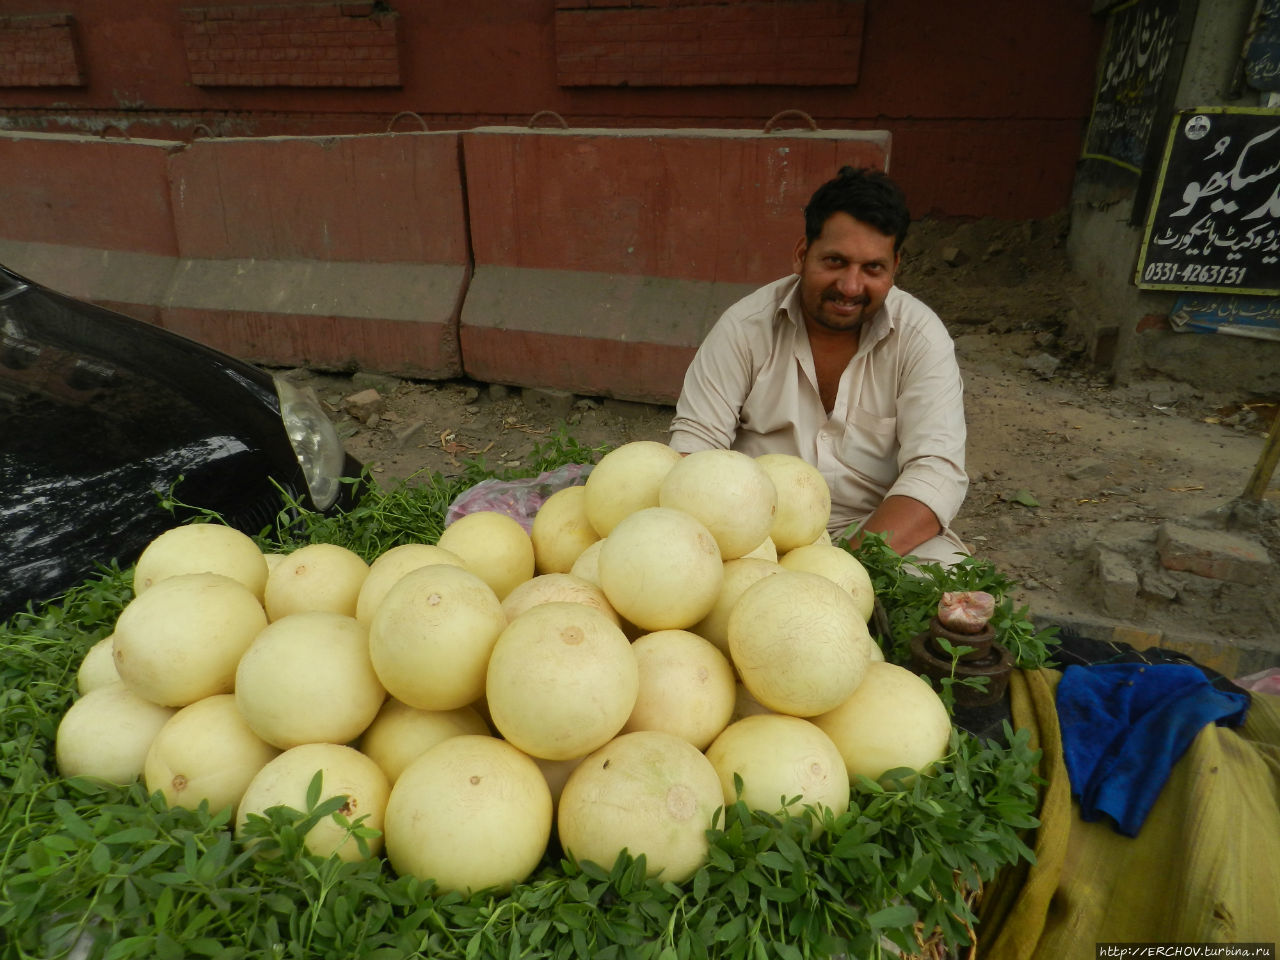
[(315, 442)]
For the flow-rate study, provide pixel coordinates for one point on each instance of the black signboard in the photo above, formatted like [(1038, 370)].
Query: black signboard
[(1262, 52), (1140, 66), (1215, 224)]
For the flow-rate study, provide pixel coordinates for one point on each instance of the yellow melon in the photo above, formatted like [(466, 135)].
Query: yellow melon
[(562, 681), (687, 687), (647, 792), (798, 643), (837, 565), (472, 813), (661, 569), (561, 530), (494, 547), (728, 492), (433, 633), (319, 576), (625, 480), (388, 567)]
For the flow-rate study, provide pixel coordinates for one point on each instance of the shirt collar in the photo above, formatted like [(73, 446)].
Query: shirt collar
[(881, 324), (789, 308)]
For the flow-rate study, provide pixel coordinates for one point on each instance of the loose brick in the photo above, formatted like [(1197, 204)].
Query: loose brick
[(1215, 554), (557, 403), (1117, 583)]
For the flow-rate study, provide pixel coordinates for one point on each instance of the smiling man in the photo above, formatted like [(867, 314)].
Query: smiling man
[(838, 366)]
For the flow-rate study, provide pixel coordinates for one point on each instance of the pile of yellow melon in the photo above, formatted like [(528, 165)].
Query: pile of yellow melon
[(670, 624)]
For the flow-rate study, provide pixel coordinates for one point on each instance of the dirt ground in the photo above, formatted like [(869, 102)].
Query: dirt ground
[(1063, 463)]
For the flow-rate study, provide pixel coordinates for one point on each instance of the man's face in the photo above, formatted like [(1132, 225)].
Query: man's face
[(845, 274)]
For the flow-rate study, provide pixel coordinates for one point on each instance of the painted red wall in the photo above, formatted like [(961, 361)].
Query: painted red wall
[(986, 104)]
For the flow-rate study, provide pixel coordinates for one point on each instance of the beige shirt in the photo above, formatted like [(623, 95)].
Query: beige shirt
[(897, 426)]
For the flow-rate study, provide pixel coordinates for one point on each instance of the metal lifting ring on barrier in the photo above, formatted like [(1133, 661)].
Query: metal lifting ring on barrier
[(406, 113), (547, 113), (768, 127), (103, 132), (195, 131)]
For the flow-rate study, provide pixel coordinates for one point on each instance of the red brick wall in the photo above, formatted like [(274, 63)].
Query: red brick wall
[(683, 43), (293, 45), (39, 51)]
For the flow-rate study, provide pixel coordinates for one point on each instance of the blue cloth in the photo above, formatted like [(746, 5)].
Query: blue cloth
[(1124, 726)]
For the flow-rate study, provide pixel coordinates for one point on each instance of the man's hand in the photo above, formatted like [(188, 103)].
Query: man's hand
[(907, 521)]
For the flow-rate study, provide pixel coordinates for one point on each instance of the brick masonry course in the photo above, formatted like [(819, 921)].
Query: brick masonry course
[(40, 51), (680, 43), (295, 45), (1216, 554)]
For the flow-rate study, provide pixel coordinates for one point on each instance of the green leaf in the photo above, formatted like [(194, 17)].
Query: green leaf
[(100, 858), (781, 894), (139, 946), (790, 849), (733, 930), (205, 947), (701, 883), (736, 887), (900, 915), (167, 948), (190, 857), (1025, 498), (775, 861), (72, 822), (314, 788), (719, 858), (596, 872), (920, 869), (131, 835), (164, 907)]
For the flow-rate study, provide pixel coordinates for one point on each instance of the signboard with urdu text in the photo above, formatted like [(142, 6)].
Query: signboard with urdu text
[(1215, 222), (1138, 66), (1262, 53)]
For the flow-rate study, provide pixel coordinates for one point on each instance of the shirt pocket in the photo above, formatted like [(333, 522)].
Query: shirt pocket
[(870, 446)]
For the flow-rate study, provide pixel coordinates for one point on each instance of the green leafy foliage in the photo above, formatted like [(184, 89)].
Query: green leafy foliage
[(909, 591), (97, 871)]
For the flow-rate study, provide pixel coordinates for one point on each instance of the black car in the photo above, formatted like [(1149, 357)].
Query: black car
[(101, 416)]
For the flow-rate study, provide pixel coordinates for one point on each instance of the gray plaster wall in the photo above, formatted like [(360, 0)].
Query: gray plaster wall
[(1125, 328)]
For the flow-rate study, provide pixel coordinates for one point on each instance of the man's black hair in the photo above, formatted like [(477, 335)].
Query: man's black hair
[(864, 194)]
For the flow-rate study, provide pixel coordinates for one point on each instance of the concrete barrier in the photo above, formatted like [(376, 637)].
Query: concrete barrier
[(332, 252), (89, 216), (329, 252), (602, 257)]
